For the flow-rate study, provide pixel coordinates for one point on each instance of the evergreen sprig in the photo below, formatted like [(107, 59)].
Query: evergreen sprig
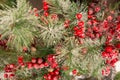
[(18, 25)]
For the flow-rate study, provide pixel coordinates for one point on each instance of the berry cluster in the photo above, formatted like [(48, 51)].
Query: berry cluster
[(110, 55), (9, 71), (45, 8), (79, 29), (94, 26), (53, 74), (35, 63)]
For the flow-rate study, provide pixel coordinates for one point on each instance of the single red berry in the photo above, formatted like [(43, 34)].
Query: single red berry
[(78, 16), (81, 23), (90, 11), (108, 49), (55, 78), (45, 76), (25, 49), (36, 66), (11, 75), (75, 28), (41, 66), (49, 77), (97, 9), (34, 60), (46, 64), (12, 66), (36, 14), (109, 18), (20, 59), (5, 75), (56, 72), (46, 14), (29, 65), (118, 45), (35, 9), (39, 61), (113, 61), (45, 3), (74, 72), (54, 65), (95, 29), (45, 7)]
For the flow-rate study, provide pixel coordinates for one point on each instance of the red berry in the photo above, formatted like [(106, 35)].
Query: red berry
[(56, 72), (78, 16), (41, 66), (109, 18), (45, 7), (11, 75), (36, 14), (39, 61), (74, 72), (54, 65), (49, 77), (118, 45), (97, 9), (5, 75), (35, 9), (81, 23), (34, 60), (75, 28), (20, 59), (105, 54), (25, 49), (36, 66), (46, 64), (46, 13), (90, 11), (45, 76), (95, 29), (67, 23), (12, 66), (29, 65), (45, 3), (108, 49)]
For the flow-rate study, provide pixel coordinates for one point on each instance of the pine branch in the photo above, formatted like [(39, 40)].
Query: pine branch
[(18, 25)]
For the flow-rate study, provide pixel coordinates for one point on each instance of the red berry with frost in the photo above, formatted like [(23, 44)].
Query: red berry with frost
[(108, 49), (45, 7), (74, 72), (81, 23), (41, 66), (97, 9), (46, 13), (5, 75), (29, 65), (20, 59), (35, 9), (78, 16), (75, 28), (39, 61), (36, 14), (34, 60), (11, 75), (36, 66)]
